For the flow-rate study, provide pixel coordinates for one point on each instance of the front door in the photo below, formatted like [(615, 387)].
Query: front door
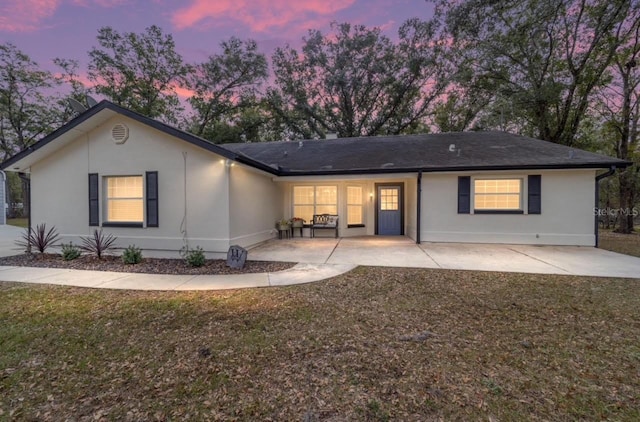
[(389, 210)]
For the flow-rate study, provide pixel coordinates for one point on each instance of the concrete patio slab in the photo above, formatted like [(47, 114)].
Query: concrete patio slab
[(487, 257), (307, 273), (582, 260), (311, 251), (395, 251)]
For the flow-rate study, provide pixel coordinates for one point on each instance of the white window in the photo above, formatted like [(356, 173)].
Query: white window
[(354, 205), (497, 194), (310, 200), (124, 199)]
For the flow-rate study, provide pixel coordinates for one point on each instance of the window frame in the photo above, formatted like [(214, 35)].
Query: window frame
[(521, 195), (107, 200), (315, 200)]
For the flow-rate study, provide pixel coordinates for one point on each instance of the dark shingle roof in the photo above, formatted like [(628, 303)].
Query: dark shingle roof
[(427, 152)]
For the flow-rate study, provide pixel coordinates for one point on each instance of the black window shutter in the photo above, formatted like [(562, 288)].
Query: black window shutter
[(535, 194), (464, 195), (94, 202), (152, 198)]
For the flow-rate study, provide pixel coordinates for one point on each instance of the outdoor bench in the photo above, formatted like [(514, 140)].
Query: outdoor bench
[(324, 221)]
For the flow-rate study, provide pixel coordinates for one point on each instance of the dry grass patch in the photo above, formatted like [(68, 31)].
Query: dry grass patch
[(628, 244), (373, 344)]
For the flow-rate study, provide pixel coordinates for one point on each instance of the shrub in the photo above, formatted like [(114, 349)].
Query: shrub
[(132, 255), (40, 239), (70, 252), (98, 244), (195, 257)]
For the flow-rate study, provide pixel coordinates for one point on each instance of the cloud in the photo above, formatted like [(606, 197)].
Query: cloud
[(102, 3), (25, 15), (29, 15), (183, 93), (259, 15)]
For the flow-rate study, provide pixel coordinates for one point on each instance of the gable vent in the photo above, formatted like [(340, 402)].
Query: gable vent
[(119, 133)]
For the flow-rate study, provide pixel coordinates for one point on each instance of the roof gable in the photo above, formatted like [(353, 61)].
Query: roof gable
[(94, 117)]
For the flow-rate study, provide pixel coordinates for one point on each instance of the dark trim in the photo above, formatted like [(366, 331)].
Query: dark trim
[(534, 194), (419, 207), (55, 134), (151, 198), (593, 166), (94, 200), (122, 224), (27, 185), (464, 194), (599, 177), (498, 211), (353, 226), (400, 201)]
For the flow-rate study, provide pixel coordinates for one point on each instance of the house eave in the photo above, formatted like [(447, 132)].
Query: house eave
[(458, 169)]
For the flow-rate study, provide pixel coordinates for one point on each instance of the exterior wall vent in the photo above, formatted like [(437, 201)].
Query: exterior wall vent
[(119, 133)]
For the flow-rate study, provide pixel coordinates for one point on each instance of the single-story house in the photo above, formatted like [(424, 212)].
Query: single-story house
[(155, 186)]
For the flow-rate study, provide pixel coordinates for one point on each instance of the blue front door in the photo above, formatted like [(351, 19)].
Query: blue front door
[(389, 210)]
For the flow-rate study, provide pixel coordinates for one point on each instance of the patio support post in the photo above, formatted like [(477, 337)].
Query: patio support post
[(26, 183), (597, 206), (419, 202)]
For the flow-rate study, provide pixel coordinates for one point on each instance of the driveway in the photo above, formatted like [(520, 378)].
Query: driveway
[(403, 252)]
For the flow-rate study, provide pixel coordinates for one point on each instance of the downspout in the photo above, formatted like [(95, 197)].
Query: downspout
[(599, 177), (27, 183), (4, 199), (419, 194)]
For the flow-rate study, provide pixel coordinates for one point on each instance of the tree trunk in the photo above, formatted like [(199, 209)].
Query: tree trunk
[(625, 180)]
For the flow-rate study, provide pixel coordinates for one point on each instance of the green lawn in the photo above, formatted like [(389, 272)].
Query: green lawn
[(374, 344), (19, 222)]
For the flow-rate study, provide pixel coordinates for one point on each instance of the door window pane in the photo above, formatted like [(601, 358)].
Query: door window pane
[(389, 199)]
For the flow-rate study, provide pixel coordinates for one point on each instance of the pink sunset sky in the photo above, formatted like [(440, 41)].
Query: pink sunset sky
[(46, 29)]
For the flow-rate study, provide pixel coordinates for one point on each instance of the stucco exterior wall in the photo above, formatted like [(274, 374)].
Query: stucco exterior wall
[(59, 186), (566, 218), (254, 206)]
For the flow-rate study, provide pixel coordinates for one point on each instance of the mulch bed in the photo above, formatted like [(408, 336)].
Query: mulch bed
[(148, 265)]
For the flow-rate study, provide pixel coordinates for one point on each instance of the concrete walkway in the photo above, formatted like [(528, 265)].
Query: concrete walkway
[(322, 258), (300, 273)]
